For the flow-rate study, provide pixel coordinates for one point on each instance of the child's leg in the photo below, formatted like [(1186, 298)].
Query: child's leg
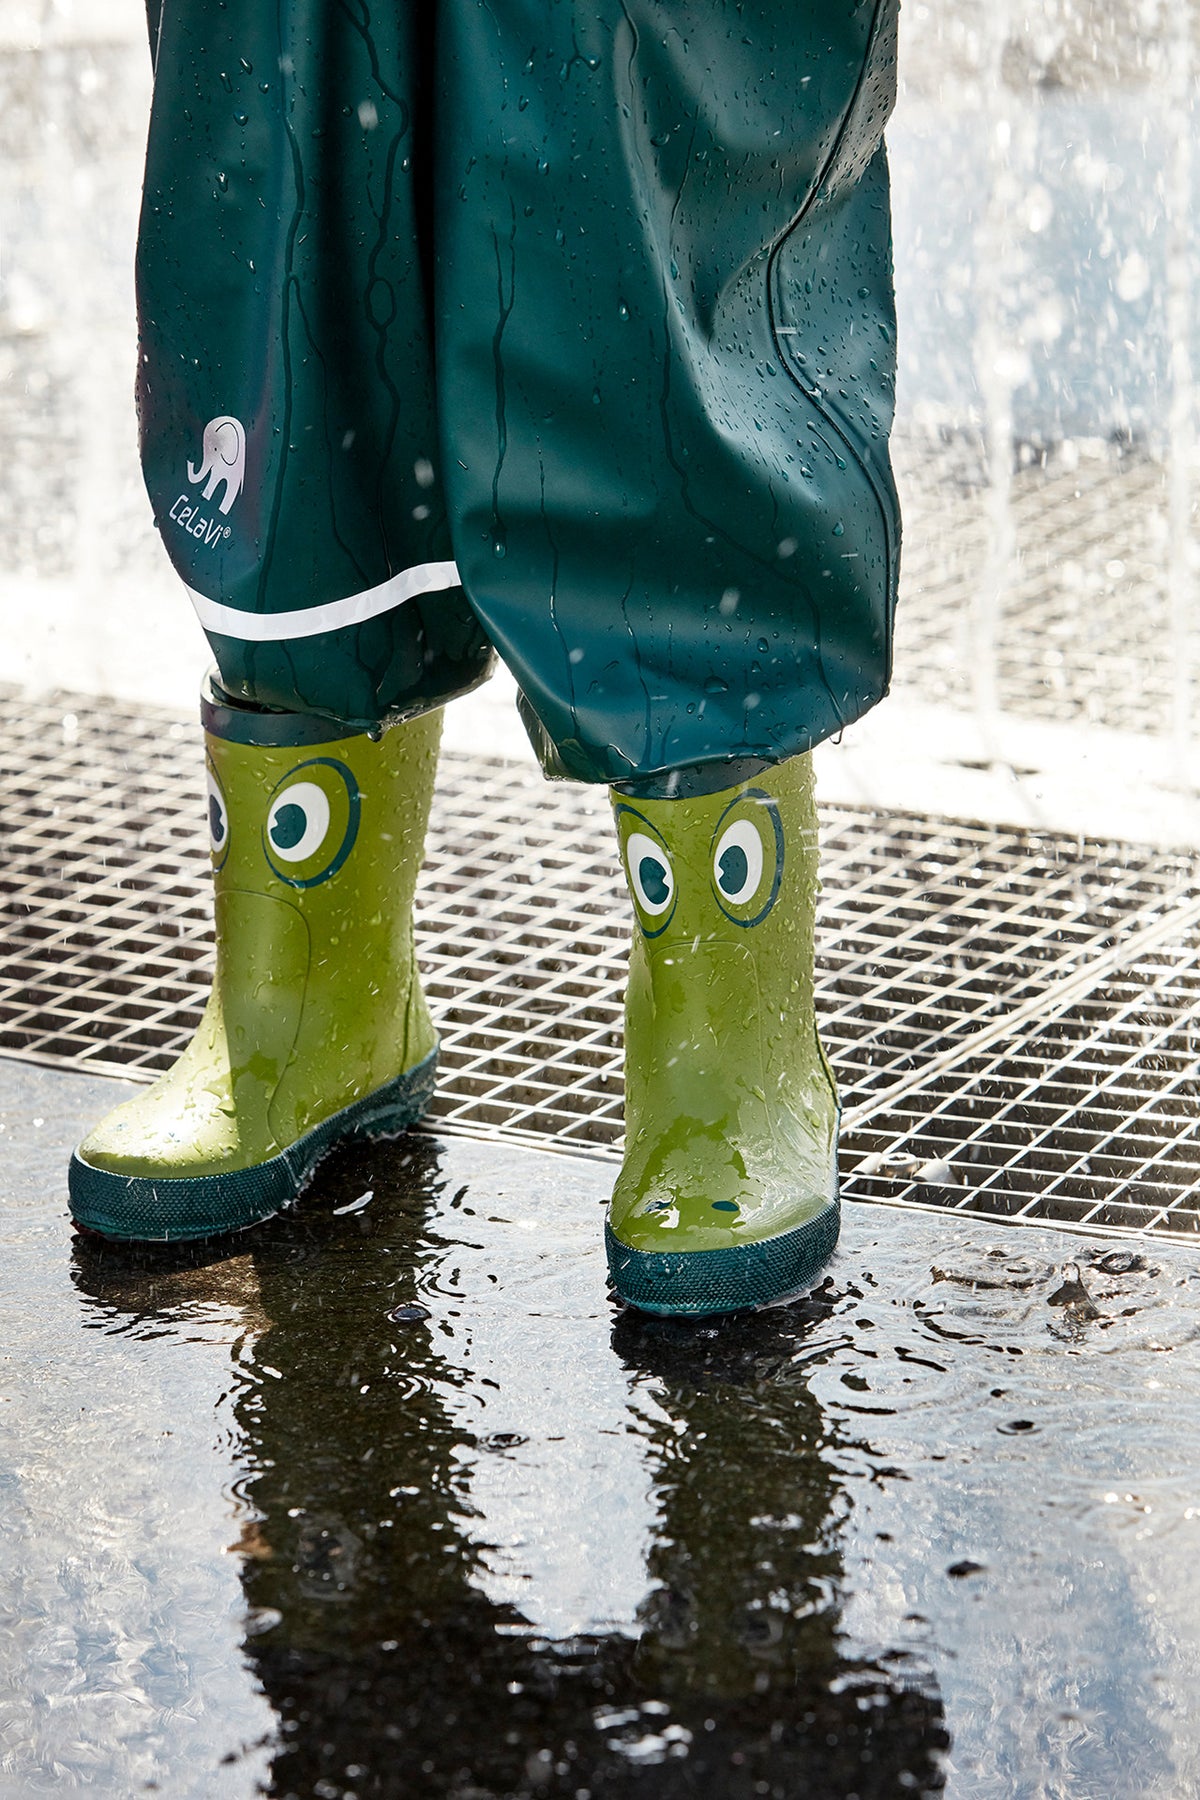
[(290, 448), (665, 358), (286, 391)]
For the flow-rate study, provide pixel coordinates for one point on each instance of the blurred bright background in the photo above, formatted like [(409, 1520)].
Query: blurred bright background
[(1045, 185)]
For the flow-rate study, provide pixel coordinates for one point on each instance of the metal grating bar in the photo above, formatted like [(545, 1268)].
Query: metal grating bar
[(1013, 1015), (1087, 613), (1093, 1119)]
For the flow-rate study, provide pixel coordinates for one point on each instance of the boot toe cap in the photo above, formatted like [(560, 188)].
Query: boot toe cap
[(737, 1278)]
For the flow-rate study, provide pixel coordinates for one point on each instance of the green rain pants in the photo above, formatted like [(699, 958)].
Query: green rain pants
[(559, 330)]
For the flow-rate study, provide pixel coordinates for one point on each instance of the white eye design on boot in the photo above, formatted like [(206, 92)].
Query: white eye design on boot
[(648, 869), (747, 864), (738, 862), (312, 822), (218, 818), (298, 822), (650, 873)]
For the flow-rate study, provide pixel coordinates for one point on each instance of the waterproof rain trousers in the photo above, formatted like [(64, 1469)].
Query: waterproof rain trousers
[(558, 330)]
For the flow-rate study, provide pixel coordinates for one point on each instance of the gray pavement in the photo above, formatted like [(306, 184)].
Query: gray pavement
[(389, 1499)]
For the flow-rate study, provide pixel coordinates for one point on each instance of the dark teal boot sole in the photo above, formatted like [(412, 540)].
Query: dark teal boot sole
[(143, 1209), (696, 1284)]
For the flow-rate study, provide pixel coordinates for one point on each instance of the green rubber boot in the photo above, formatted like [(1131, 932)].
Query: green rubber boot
[(316, 1028), (727, 1198)]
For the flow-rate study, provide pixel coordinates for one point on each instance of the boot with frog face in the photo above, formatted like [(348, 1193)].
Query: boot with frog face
[(316, 1028), (727, 1197)]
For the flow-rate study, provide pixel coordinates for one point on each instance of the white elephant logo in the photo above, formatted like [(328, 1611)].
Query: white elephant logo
[(223, 458)]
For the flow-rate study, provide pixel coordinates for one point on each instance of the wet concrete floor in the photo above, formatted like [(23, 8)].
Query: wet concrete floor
[(388, 1498)]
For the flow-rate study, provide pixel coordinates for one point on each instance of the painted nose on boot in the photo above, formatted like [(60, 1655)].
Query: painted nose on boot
[(316, 1029), (727, 1195)]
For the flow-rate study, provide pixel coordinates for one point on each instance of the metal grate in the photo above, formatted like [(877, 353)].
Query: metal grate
[(1013, 1015), (1092, 1119), (1084, 610)]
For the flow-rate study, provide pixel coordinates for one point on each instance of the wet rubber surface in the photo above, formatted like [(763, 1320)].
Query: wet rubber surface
[(390, 1499)]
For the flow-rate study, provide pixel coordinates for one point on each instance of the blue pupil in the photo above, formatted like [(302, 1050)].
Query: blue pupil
[(287, 827), (653, 878), (734, 870), (216, 819)]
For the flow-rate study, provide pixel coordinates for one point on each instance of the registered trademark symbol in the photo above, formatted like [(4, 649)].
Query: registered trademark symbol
[(228, 531)]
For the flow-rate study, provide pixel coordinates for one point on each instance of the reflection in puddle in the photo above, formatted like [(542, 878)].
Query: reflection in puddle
[(497, 1539)]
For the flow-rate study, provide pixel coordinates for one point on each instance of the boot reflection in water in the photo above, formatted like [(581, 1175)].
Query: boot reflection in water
[(374, 1467), (576, 349)]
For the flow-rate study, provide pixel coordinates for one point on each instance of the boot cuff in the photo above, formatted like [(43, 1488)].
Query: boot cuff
[(237, 723)]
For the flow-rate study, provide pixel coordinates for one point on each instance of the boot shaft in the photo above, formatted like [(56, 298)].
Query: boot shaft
[(293, 801), (721, 968), (317, 839)]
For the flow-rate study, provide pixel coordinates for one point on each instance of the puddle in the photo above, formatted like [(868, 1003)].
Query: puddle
[(394, 1501)]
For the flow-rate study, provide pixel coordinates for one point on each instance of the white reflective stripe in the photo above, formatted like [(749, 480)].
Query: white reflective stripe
[(334, 615)]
